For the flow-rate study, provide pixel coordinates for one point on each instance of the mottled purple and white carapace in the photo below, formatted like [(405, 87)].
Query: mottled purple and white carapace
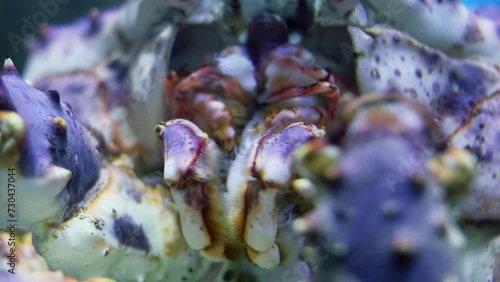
[(55, 153)]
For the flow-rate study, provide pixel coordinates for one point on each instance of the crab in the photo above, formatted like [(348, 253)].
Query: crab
[(359, 199), (221, 98), (260, 176), (300, 128)]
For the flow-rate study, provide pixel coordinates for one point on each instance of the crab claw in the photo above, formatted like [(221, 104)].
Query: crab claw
[(53, 158), (269, 169), (192, 171), (273, 166), (268, 259)]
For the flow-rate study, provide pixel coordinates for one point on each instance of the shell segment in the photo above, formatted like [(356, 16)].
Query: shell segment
[(382, 190), (56, 154), (192, 162), (261, 173), (123, 229)]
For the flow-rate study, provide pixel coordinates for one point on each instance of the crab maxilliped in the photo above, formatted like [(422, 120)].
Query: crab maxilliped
[(211, 140)]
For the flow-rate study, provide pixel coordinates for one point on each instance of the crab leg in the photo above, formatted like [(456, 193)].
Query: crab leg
[(220, 119), (273, 167), (192, 81), (214, 115), (123, 230), (208, 75), (288, 68), (330, 91), (269, 167), (192, 163), (78, 208), (44, 146), (297, 65)]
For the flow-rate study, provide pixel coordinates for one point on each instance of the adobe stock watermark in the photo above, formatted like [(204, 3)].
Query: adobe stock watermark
[(31, 25)]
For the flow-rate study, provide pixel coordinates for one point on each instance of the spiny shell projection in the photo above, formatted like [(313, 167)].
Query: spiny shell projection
[(54, 152)]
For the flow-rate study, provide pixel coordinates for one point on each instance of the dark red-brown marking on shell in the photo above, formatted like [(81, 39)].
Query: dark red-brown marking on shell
[(199, 151), (251, 197)]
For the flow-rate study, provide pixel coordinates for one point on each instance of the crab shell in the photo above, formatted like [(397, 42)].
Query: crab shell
[(468, 36), (88, 219), (112, 57), (55, 159), (123, 230), (30, 266), (446, 26), (460, 94), (380, 186), (207, 206), (93, 39)]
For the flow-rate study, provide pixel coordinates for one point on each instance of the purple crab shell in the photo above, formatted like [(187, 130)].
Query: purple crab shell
[(385, 211), (54, 136)]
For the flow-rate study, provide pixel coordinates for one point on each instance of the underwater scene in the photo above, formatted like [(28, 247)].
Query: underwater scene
[(250, 140)]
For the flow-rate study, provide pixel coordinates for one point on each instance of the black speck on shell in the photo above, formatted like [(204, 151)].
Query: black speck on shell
[(130, 233), (375, 74), (418, 73), (413, 93), (432, 58)]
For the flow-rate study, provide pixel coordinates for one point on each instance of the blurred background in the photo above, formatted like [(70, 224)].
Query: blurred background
[(20, 19), (17, 17)]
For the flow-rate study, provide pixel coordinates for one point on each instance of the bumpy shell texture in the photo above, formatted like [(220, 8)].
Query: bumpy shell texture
[(53, 135)]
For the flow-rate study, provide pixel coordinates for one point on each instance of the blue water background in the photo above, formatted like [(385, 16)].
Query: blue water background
[(479, 3)]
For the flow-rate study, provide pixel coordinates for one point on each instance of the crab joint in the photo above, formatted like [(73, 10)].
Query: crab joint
[(60, 125), (190, 204), (261, 223), (192, 171), (187, 151), (317, 162), (454, 169), (273, 167), (267, 260), (12, 131)]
